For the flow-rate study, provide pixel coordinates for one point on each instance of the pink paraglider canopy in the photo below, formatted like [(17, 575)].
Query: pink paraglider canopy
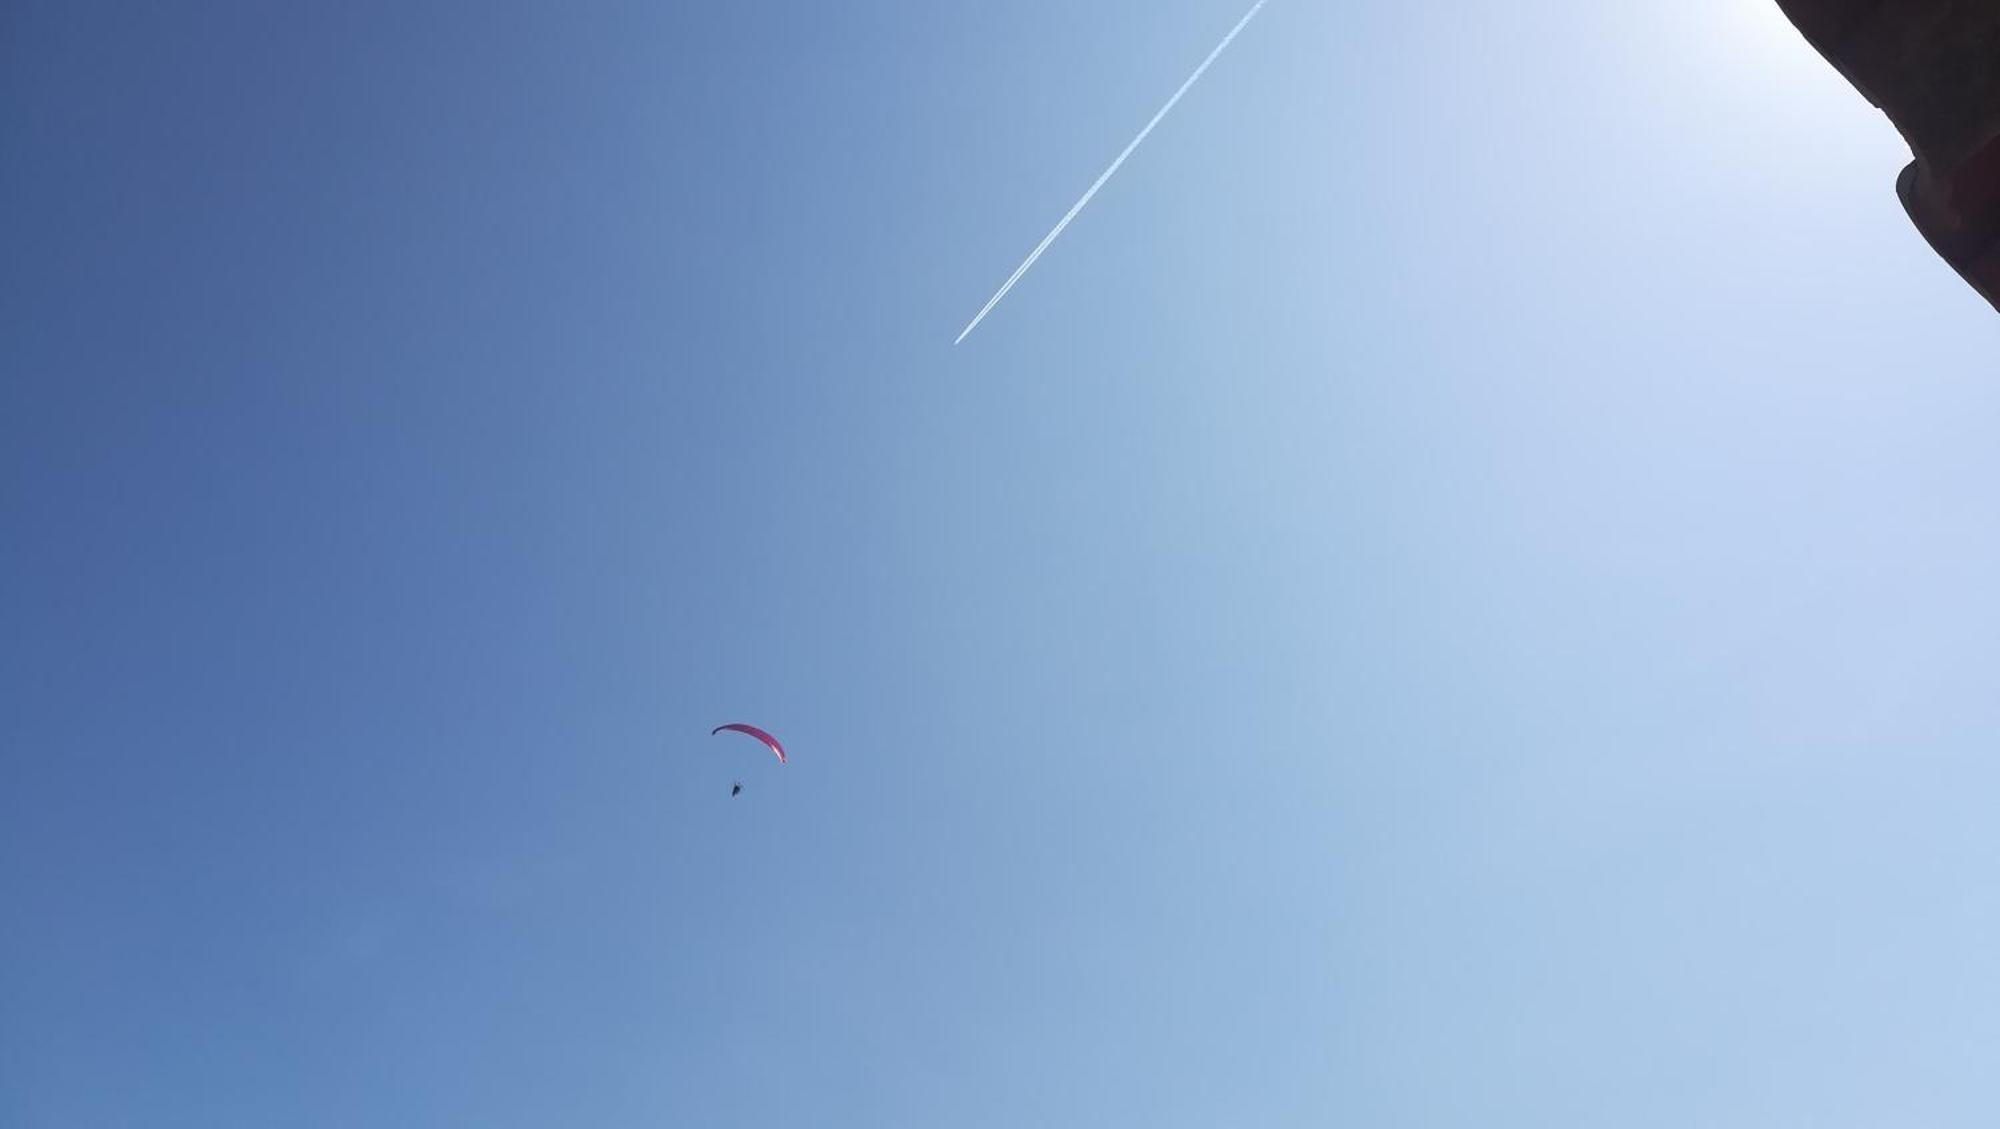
[(753, 731)]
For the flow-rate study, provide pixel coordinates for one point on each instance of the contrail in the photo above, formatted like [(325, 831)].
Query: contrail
[(1108, 173)]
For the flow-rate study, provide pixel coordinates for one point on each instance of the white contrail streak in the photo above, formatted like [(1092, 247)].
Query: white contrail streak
[(1108, 173)]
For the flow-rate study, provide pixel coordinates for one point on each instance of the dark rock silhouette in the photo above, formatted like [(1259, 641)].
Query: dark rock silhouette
[(1933, 66)]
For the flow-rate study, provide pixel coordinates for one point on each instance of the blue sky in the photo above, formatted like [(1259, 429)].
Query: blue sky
[(1458, 594)]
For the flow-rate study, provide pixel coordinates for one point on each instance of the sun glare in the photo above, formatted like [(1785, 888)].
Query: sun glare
[(1758, 33)]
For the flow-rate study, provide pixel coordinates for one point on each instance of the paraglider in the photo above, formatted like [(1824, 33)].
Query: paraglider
[(763, 738), (769, 741)]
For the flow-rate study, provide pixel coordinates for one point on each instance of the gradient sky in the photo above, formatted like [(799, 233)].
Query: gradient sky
[(1460, 593)]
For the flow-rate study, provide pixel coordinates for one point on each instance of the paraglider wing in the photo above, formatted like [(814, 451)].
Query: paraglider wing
[(769, 741)]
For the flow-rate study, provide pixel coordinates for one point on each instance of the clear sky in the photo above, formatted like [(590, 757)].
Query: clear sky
[(1460, 593)]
